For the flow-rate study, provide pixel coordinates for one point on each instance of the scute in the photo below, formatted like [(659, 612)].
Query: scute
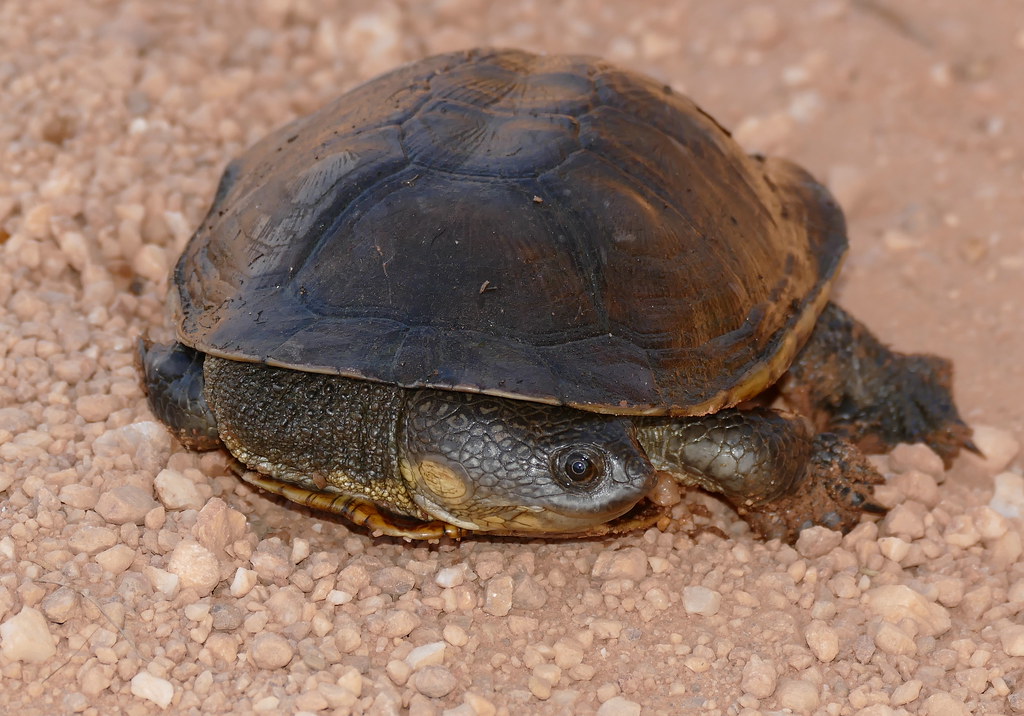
[(549, 228)]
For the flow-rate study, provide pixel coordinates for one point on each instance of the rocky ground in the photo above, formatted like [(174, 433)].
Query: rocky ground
[(136, 577)]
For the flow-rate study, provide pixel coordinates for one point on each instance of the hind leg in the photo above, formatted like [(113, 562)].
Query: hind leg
[(851, 384)]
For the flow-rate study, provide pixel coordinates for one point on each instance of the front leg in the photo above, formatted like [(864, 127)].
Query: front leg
[(778, 475)]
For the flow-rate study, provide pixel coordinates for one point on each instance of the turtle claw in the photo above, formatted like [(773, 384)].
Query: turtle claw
[(835, 491)]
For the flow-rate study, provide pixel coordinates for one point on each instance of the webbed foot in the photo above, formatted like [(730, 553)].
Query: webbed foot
[(851, 384)]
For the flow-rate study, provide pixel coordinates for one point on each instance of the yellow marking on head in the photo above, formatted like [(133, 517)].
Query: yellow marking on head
[(442, 480)]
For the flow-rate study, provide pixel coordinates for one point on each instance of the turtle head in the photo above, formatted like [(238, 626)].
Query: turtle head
[(496, 464)]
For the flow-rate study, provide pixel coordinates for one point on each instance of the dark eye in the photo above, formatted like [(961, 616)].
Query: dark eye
[(580, 466)]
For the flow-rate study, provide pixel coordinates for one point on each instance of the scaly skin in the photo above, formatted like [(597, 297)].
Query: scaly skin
[(455, 463)]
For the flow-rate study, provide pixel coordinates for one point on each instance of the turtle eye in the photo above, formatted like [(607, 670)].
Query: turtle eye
[(579, 467)]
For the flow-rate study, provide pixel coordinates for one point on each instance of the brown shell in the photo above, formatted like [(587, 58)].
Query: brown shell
[(550, 228)]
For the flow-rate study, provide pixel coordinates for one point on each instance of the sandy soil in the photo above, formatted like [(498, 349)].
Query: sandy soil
[(135, 576)]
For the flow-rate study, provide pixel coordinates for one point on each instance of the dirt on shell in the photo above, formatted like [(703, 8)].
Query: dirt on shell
[(136, 577)]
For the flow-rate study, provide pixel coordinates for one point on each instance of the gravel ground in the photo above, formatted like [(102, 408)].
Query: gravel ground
[(136, 577)]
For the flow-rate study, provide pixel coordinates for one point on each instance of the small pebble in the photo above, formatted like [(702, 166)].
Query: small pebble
[(1008, 498), (163, 581), (606, 628), (990, 524), (904, 519), (906, 692), (998, 446), (455, 635), (176, 491), (498, 596), (91, 540), (798, 695), (890, 639), (701, 600), (243, 581), (568, 652), (944, 704), (430, 654), (393, 623), (116, 559), (434, 681), (1011, 637), (153, 688), (125, 504), (893, 548), (917, 485), (96, 408), (628, 563), (817, 541), (895, 602), (59, 605), (271, 651), (528, 593), (760, 677), (619, 706), (81, 497), (26, 637), (822, 640), (961, 532), (449, 577), (196, 567), (218, 526), (915, 456)]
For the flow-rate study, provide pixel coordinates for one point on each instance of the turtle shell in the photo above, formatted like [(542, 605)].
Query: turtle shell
[(550, 228)]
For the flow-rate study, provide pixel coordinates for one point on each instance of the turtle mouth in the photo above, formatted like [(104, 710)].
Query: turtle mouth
[(517, 519), (521, 519)]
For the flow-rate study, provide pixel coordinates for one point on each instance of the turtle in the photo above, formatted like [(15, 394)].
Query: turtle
[(509, 293)]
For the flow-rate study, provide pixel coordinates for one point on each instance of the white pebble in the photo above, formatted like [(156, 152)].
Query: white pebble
[(893, 548), (163, 581), (1008, 498), (906, 692), (989, 523), (701, 600), (822, 640), (271, 651), (760, 677), (176, 491), (817, 541), (628, 563), (196, 566), (150, 262), (1011, 636), (26, 637), (426, 655), (998, 446), (961, 532), (152, 688), (896, 602), (449, 577), (498, 597), (243, 582), (619, 706), (798, 695), (890, 639)]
